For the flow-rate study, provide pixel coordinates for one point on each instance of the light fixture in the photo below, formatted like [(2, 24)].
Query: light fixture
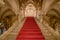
[(2, 2), (58, 2)]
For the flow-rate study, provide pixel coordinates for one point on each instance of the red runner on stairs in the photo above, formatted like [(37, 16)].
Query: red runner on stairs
[(30, 31)]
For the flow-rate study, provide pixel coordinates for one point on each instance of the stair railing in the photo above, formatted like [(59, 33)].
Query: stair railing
[(56, 35), (15, 24)]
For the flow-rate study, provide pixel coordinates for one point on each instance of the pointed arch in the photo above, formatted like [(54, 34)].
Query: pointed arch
[(30, 10), (8, 12)]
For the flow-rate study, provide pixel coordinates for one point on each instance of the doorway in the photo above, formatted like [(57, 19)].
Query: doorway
[(30, 11)]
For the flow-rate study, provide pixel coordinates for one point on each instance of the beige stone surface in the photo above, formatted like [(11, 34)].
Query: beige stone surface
[(47, 34), (14, 33)]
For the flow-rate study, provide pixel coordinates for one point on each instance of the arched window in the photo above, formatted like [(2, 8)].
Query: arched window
[(30, 11)]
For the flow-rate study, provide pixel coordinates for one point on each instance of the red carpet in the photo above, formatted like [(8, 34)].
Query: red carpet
[(30, 31)]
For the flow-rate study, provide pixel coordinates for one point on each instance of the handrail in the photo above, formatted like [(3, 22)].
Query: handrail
[(8, 31), (16, 23), (57, 36)]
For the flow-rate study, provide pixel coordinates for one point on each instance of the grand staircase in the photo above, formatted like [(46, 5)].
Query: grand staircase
[(30, 31), (15, 34)]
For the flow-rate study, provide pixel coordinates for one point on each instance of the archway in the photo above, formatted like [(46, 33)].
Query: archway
[(30, 11)]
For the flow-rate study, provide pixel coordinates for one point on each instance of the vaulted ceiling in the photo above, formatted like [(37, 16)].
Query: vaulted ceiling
[(19, 3), (26, 2)]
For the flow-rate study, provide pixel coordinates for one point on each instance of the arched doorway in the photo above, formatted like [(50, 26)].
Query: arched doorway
[(30, 11)]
